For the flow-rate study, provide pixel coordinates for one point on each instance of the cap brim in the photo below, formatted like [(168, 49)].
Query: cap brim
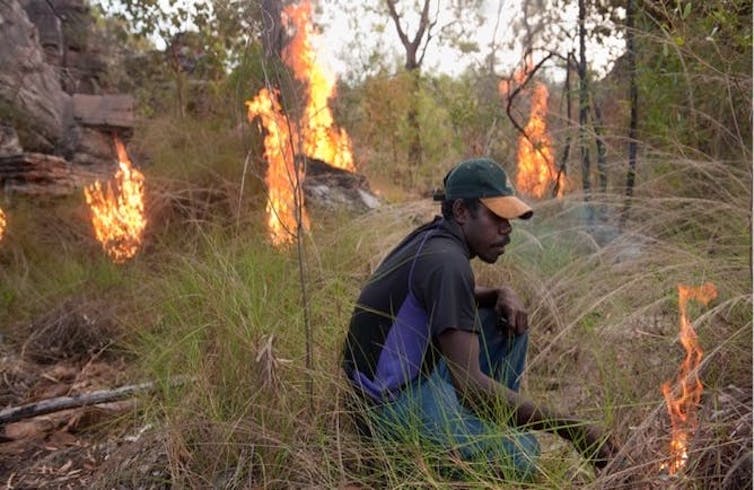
[(508, 207)]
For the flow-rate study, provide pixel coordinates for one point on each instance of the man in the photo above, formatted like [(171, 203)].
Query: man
[(431, 353)]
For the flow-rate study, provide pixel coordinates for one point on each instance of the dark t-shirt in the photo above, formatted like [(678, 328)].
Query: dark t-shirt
[(422, 288)]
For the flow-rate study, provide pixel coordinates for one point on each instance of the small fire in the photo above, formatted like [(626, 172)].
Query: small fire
[(118, 210), (314, 134), (3, 223), (536, 164), (682, 409)]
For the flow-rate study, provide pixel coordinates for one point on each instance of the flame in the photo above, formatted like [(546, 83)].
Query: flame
[(281, 178), (320, 138), (315, 134), (118, 210), (536, 164), (682, 409), (3, 223)]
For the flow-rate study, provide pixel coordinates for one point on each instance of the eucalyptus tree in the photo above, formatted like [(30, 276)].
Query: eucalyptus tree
[(420, 26)]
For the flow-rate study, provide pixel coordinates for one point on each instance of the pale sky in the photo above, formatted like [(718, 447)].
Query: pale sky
[(439, 60)]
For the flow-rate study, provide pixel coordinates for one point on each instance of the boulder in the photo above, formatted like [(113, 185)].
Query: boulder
[(332, 188)]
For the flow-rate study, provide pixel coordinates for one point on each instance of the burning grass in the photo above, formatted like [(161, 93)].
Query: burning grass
[(208, 298)]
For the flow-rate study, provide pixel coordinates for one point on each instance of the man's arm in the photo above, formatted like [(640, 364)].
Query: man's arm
[(507, 304), (479, 392)]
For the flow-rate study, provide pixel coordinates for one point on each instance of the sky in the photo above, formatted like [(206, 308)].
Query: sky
[(337, 33)]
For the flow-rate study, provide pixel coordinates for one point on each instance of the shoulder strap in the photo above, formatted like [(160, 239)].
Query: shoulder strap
[(418, 250)]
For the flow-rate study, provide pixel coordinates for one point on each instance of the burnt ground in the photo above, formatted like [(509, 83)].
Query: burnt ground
[(70, 351)]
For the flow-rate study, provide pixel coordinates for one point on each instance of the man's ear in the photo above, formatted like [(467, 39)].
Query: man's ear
[(461, 213)]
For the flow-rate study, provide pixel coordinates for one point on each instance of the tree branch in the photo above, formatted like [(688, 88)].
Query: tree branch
[(513, 95), (50, 405)]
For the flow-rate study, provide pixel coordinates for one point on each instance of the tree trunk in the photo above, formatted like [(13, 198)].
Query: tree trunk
[(634, 98), (413, 67), (601, 157), (562, 168), (273, 36), (415, 139), (584, 108)]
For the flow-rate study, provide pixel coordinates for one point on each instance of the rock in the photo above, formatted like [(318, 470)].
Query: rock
[(106, 111), (66, 33), (9, 144), (39, 121), (92, 148), (38, 174), (333, 188), (31, 97)]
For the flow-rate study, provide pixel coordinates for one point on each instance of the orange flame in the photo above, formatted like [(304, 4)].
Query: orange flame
[(315, 134), (682, 409), (3, 223), (536, 164), (281, 178), (118, 210), (320, 138)]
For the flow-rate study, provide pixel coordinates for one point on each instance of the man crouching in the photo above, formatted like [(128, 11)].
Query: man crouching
[(428, 351)]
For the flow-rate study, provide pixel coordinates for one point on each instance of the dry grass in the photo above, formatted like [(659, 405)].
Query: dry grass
[(209, 298)]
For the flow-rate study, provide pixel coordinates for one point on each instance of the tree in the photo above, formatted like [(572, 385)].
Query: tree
[(419, 25), (412, 46), (219, 31)]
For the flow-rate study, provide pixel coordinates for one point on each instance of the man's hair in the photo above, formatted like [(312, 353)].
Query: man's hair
[(447, 207)]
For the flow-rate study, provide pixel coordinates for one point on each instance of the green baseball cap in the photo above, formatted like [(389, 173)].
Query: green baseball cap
[(484, 179)]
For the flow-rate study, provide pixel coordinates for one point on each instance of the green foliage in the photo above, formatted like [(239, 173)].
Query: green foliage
[(695, 91), (458, 118)]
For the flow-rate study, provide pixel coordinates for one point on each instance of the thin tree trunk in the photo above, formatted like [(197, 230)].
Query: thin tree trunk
[(273, 36), (413, 68), (599, 141), (584, 109), (634, 98), (415, 143), (562, 168)]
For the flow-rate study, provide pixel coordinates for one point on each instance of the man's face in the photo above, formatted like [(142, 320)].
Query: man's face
[(486, 233)]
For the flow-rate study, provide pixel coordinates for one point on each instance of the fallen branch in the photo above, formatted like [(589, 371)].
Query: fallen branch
[(50, 405)]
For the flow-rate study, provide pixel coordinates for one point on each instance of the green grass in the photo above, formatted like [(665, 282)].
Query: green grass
[(209, 300)]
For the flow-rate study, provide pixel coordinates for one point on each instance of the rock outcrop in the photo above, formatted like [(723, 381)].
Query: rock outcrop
[(54, 97), (32, 100)]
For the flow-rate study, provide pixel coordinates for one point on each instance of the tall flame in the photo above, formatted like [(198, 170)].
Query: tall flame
[(281, 178), (314, 134), (682, 408), (321, 139), (536, 171), (3, 223), (118, 209)]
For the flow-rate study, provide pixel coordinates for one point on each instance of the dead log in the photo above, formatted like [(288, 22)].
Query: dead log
[(50, 405)]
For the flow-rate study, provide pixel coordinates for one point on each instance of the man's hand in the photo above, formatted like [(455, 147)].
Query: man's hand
[(590, 441), (509, 306)]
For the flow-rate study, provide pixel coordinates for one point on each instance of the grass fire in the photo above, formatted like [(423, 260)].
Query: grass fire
[(200, 200)]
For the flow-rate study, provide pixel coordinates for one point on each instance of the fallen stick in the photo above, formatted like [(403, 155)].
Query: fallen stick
[(50, 405)]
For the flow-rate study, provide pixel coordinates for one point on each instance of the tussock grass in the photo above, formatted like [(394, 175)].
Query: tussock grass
[(209, 299)]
